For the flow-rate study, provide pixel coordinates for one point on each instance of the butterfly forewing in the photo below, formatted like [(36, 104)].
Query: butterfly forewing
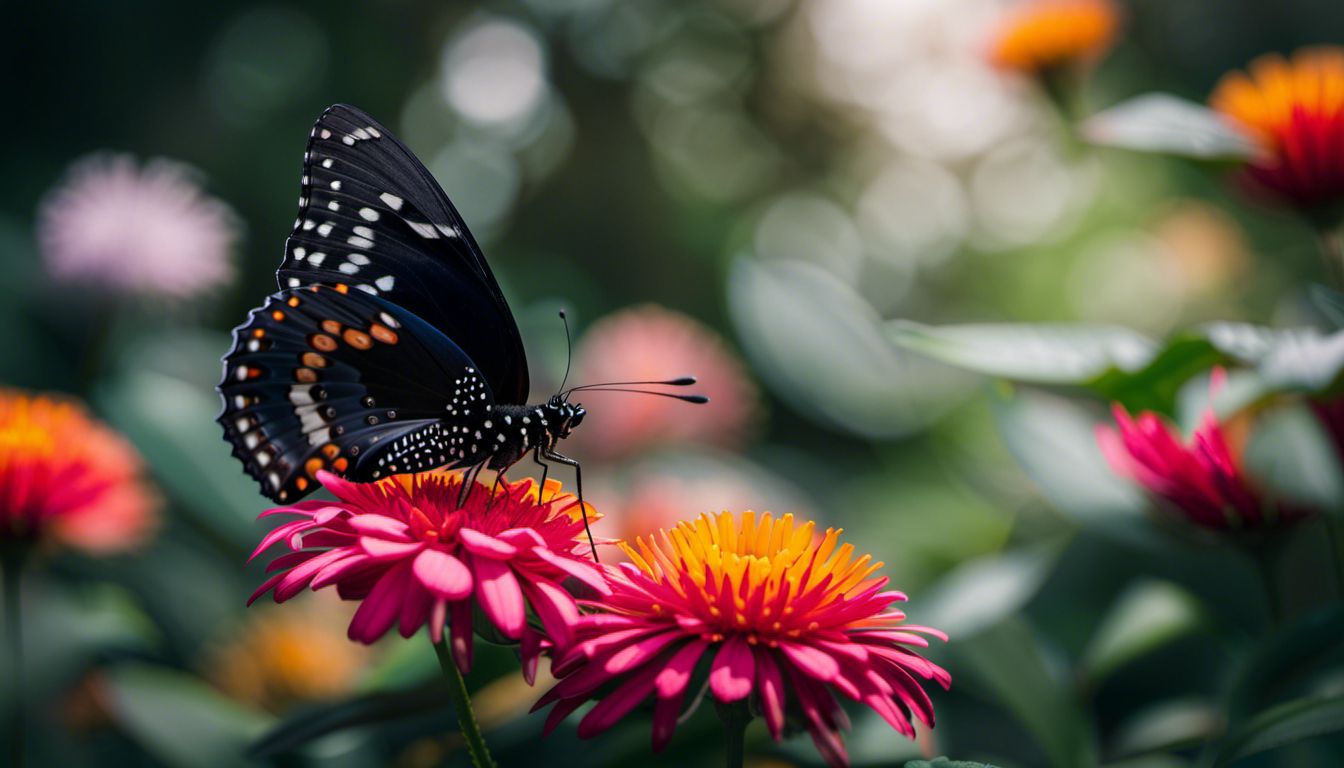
[(325, 377), (372, 218)]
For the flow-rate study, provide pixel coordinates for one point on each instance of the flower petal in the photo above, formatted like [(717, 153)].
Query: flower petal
[(381, 606), (485, 545), (380, 526), (499, 595), (734, 667), (442, 574)]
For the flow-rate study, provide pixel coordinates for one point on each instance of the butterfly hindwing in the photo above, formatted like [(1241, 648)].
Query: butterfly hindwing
[(372, 218), (322, 377)]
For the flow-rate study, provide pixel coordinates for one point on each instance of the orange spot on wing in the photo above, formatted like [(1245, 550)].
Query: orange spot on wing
[(332, 327), (314, 360), (312, 466), (293, 301), (258, 332), (342, 288), (383, 333), (301, 483), (341, 464), (322, 342), (357, 339), (305, 375), (331, 450), (277, 315)]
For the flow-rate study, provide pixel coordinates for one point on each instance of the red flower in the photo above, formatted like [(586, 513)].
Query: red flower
[(68, 479), (412, 557), (783, 615), (1295, 109), (1202, 479)]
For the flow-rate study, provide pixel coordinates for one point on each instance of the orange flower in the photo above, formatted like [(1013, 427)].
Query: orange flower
[(1295, 109), (284, 657), (67, 478), (1042, 35)]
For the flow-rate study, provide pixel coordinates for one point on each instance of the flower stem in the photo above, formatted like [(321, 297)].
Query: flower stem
[(466, 717), (735, 718), (11, 561), (1264, 566)]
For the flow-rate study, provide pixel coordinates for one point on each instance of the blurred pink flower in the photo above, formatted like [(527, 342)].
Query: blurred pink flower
[(405, 549), (650, 342), (139, 230), (775, 610), (1203, 479), (68, 479)]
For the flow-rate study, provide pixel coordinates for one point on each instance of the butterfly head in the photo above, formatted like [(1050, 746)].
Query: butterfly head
[(562, 416)]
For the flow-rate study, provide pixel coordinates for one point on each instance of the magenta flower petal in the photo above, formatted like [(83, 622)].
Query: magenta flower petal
[(382, 606), (484, 545), (442, 574), (731, 676), (499, 595)]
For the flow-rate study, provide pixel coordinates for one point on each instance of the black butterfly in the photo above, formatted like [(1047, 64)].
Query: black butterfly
[(389, 348)]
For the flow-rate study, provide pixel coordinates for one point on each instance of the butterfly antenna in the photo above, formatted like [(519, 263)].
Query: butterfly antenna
[(569, 354)]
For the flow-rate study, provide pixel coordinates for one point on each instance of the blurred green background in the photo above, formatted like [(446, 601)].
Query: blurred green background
[(787, 174)]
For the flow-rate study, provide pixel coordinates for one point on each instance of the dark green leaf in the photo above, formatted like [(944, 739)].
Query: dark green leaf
[(1147, 616), (943, 762), (1007, 663), (1295, 654), (179, 719), (369, 709), (1287, 723), (1330, 303), (1165, 124), (1165, 727)]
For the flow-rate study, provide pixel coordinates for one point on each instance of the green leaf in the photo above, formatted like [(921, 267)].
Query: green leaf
[(380, 707), (1330, 303), (943, 762), (1055, 443), (1039, 354), (1291, 456), (1145, 617), (1007, 663), (1292, 658), (981, 593), (1167, 726), (1287, 723), (179, 719), (1165, 124)]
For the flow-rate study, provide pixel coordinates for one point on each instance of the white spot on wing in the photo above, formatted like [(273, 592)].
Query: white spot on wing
[(368, 214), (392, 200), (385, 282)]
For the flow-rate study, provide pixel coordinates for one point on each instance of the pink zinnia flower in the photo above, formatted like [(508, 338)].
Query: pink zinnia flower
[(411, 556), (650, 342), (150, 230), (785, 617), (1203, 479), (67, 479)]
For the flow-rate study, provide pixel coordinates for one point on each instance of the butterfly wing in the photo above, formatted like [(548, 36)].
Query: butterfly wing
[(323, 379), (373, 218)]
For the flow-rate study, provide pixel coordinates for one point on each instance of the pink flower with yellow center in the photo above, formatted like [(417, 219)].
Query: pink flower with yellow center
[(1201, 479), (1041, 36), (773, 612), (404, 548), (1295, 110), (67, 479)]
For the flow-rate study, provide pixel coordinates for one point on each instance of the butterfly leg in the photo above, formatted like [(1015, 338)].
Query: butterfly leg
[(545, 470), (468, 482), (578, 485), (499, 478)]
